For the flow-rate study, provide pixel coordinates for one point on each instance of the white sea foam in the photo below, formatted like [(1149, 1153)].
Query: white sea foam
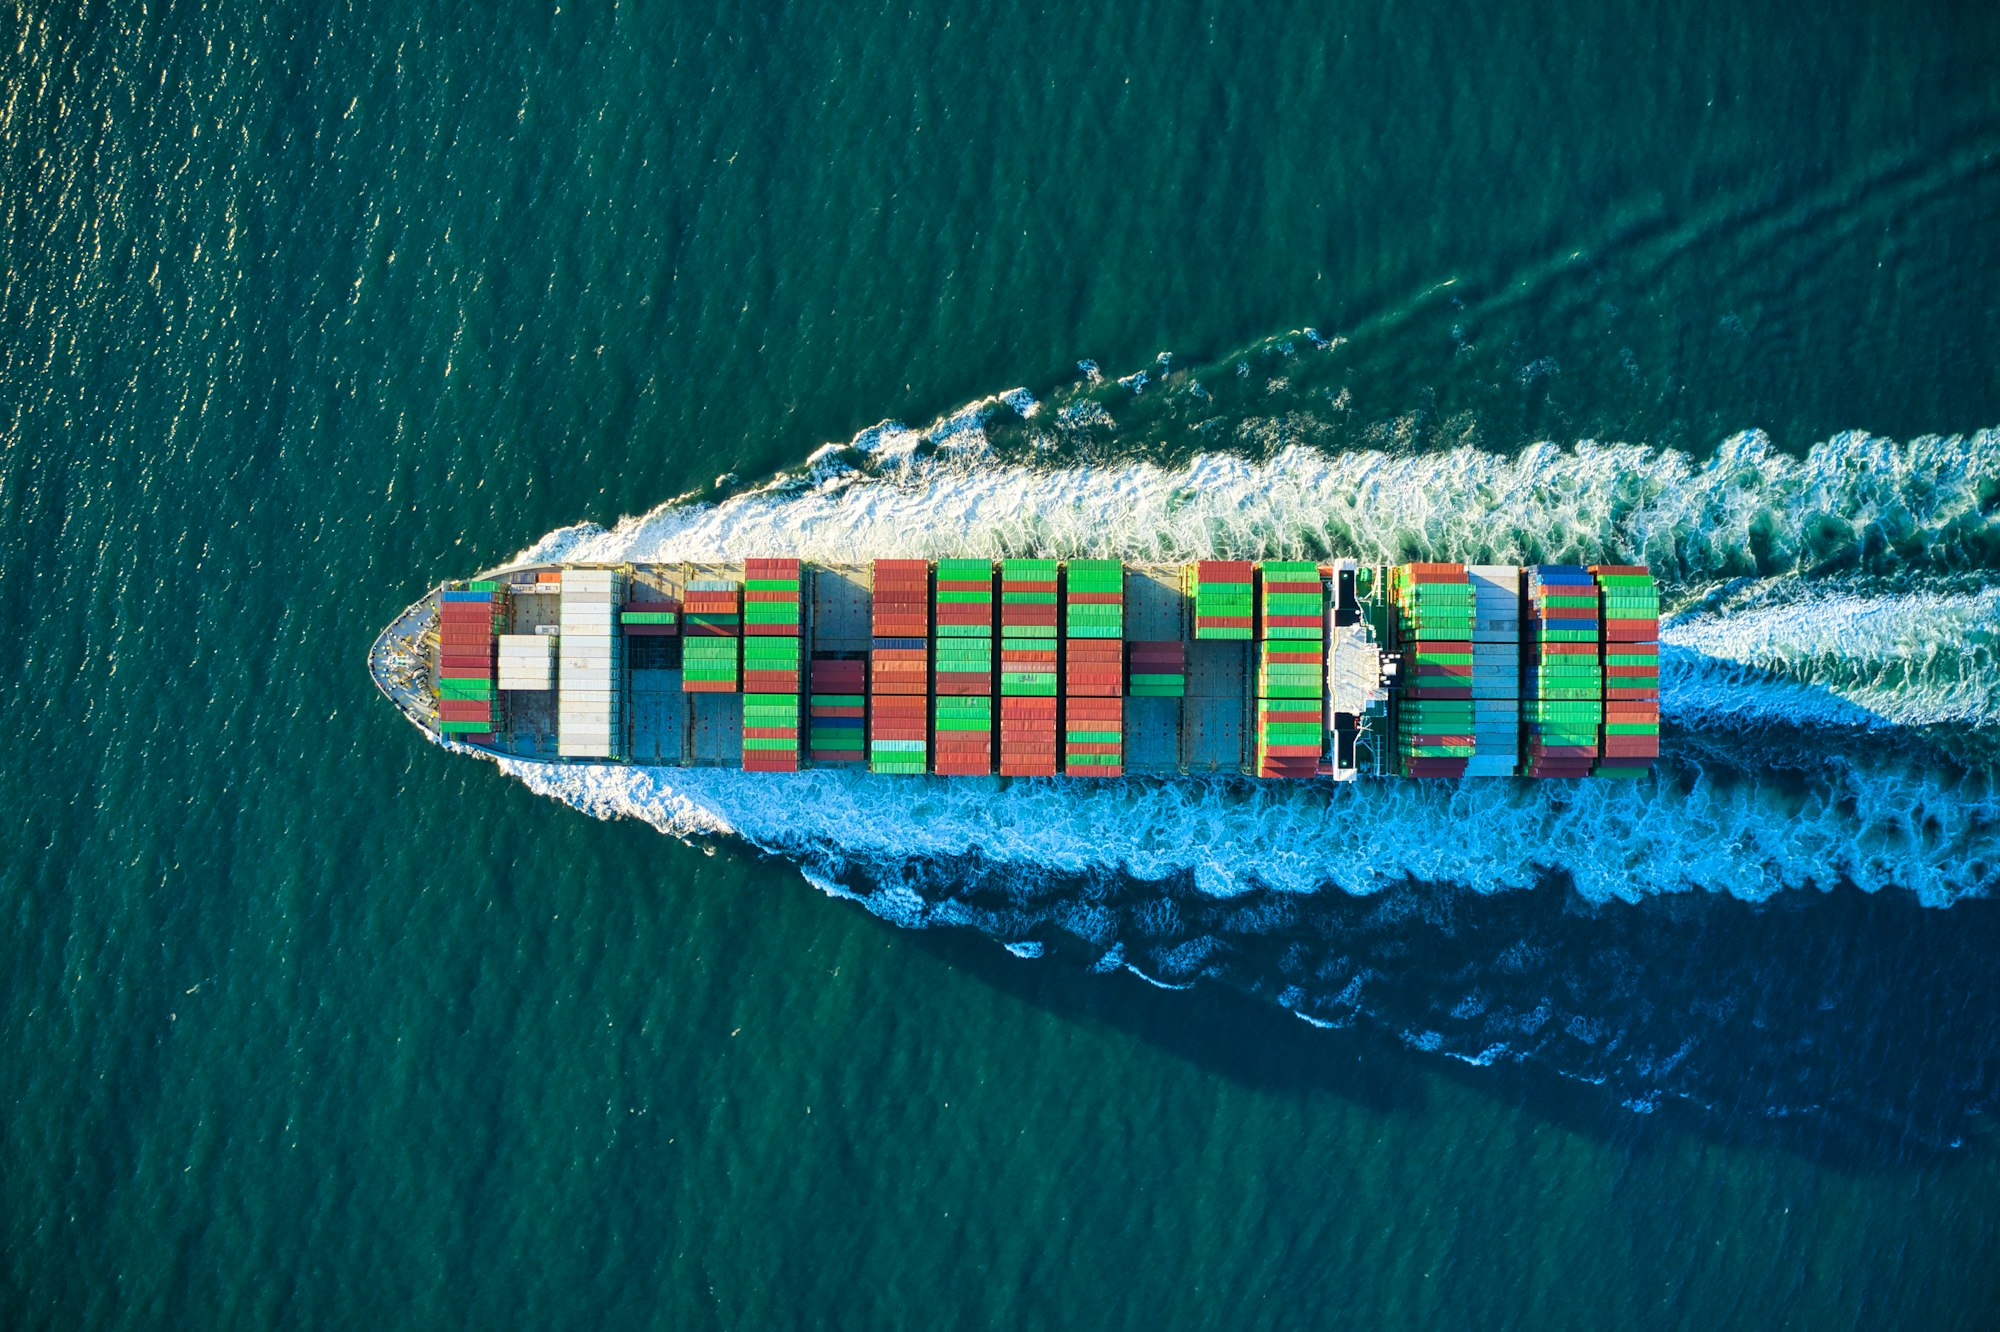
[(1837, 659), (1616, 840), (1749, 509), (939, 490)]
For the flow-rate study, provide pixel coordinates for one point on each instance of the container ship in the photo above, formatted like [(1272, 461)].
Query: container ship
[(1282, 670)]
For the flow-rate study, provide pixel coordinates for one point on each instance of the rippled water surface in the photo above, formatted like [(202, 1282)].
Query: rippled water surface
[(310, 1023)]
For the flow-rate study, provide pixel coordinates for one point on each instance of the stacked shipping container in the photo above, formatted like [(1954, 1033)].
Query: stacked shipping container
[(1222, 599), (660, 618), (1496, 670), (589, 711), (1028, 668), (467, 620), (1435, 624), (1157, 670), (839, 709), (711, 628), (899, 667), (1564, 699), (1094, 675), (963, 716), (1291, 670), (528, 661), (771, 675), (1631, 607)]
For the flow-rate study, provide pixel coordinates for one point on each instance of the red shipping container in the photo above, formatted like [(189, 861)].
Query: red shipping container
[(1619, 569), (1447, 768), (1435, 573), (1095, 598)]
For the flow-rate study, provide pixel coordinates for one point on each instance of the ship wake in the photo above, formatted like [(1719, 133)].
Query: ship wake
[(1832, 705)]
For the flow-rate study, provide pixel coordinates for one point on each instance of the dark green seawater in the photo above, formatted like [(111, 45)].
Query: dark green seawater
[(309, 1024)]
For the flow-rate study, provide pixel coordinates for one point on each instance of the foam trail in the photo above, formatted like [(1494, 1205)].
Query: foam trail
[(1803, 657), (1800, 655), (1724, 833), (1748, 510)]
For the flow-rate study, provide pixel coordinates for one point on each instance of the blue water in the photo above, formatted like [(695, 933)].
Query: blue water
[(311, 1023)]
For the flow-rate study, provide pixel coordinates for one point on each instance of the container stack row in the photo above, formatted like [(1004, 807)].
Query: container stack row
[(962, 719), (771, 665), (1223, 599), (1291, 667), (1496, 670), (1094, 599), (899, 667), (528, 662), (711, 631), (1028, 668), (467, 624), (1563, 698), (1094, 669), (839, 709), (1631, 606), (589, 713), (1436, 720), (660, 618), (1156, 670)]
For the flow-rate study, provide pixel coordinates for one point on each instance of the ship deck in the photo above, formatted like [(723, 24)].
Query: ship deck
[(1210, 731)]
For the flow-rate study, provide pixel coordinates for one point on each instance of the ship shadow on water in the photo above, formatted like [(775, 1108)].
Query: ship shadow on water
[(1856, 1030)]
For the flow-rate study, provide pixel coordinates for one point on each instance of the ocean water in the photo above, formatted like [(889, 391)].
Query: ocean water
[(310, 1023)]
